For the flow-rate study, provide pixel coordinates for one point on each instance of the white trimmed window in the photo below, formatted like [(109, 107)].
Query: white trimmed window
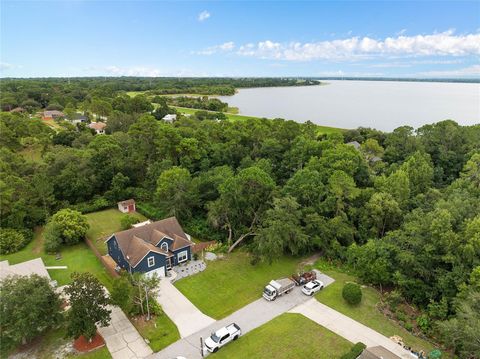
[(164, 246), (182, 256), (151, 261)]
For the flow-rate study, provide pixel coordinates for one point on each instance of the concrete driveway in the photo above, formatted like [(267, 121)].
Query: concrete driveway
[(248, 318), (188, 318), (346, 327)]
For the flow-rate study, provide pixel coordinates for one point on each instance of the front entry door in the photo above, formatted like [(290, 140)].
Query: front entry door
[(169, 263)]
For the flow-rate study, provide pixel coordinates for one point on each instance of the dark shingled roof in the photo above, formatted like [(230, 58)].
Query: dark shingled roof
[(377, 352), (135, 243)]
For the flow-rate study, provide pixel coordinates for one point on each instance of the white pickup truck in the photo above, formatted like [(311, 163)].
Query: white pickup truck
[(222, 336), (277, 288)]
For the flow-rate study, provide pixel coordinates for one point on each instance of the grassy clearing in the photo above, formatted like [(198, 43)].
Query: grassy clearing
[(237, 117), (230, 283), (103, 224), (366, 312), (160, 331), (77, 258), (32, 153), (287, 336)]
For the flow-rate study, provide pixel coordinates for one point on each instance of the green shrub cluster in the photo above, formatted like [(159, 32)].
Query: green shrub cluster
[(356, 350), (352, 293), (11, 240)]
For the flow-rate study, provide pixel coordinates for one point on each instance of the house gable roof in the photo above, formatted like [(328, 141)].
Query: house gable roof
[(136, 243)]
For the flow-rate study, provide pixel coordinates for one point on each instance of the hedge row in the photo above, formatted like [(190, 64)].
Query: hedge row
[(356, 350)]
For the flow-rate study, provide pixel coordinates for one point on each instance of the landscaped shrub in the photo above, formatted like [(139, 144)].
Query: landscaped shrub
[(96, 204), (352, 293), (11, 240), (356, 350), (128, 221), (149, 211), (423, 323), (65, 227)]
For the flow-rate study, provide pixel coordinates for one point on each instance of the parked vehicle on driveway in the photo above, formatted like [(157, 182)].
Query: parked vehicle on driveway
[(222, 336), (304, 278), (277, 288), (312, 287)]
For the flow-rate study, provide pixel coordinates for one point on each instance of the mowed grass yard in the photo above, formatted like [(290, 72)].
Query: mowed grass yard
[(104, 223), (77, 258), (160, 331), (230, 283), (285, 337), (366, 312)]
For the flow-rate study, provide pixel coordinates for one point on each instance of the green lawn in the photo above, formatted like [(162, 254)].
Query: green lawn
[(103, 224), (229, 284), (285, 337), (236, 117), (160, 331), (366, 312), (77, 258)]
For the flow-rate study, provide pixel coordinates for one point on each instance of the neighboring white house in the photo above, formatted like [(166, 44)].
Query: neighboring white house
[(99, 127), (34, 266), (127, 206), (169, 118)]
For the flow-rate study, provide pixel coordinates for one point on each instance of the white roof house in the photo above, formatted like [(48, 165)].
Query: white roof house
[(169, 118), (34, 266)]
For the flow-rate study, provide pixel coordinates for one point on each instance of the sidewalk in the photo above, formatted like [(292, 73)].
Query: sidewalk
[(122, 338)]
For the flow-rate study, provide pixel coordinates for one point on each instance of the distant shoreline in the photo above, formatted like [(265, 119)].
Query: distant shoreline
[(398, 79)]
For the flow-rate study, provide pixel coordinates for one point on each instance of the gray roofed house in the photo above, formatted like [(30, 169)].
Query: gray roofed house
[(377, 352), (33, 266), (152, 248), (354, 144)]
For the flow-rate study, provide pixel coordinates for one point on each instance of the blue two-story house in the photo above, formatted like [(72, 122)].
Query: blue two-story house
[(152, 248)]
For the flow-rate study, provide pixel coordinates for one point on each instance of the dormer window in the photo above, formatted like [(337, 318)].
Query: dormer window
[(164, 246), (151, 261)]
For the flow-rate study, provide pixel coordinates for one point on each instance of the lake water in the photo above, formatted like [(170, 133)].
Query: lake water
[(384, 105)]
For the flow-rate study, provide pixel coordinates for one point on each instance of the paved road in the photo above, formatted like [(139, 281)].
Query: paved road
[(122, 338), (346, 327), (180, 310), (249, 317)]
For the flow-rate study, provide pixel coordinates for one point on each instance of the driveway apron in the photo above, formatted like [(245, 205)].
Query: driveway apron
[(188, 318), (346, 327)]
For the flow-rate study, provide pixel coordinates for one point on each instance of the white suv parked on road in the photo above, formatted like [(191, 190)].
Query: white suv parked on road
[(221, 337)]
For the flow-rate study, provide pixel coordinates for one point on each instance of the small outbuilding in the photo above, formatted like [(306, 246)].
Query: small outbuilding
[(169, 118), (33, 266), (127, 206)]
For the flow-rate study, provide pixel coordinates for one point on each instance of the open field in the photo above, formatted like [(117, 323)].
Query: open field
[(236, 117), (160, 331), (287, 336), (77, 258), (230, 283), (104, 223), (366, 312)]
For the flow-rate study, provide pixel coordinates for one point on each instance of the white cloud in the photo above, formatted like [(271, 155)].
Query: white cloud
[(225, 47), (204, 15), (5, 66), (357, 48), (471, 71), (132, 71)]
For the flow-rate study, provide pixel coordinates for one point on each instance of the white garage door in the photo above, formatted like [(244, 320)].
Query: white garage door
[(159, 272)]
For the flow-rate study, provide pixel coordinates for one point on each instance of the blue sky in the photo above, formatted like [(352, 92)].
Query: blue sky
[(88, 38)]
